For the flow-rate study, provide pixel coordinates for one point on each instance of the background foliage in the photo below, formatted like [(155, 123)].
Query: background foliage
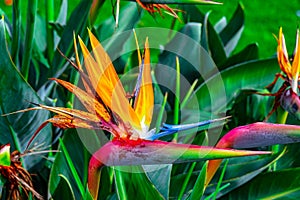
[(242, 47)]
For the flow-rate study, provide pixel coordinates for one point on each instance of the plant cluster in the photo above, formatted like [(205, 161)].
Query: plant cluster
[(148, 112)]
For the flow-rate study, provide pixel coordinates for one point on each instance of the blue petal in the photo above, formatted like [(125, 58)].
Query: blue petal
[(168, 129)]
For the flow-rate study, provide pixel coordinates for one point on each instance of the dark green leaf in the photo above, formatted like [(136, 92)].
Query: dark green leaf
[(212, 41), (76, 142), (250, 52), (64, 189), (15, 94), (116, 40), (160, 176), (76, 24), (249, 75), (131, 181), (241, 170), (283, 184), (199, 187), (194, 63), (231, 34)]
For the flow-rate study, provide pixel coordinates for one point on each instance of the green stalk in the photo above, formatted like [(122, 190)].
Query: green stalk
[(281, 119), (31, 12), (72, 168), (199, 186), (73, 79), (220, 180), (15, 44), (161, 113), (281, 116), (186, 180), (177, 93), (188, 94), (177, 97), (120, 184), (49, 30)]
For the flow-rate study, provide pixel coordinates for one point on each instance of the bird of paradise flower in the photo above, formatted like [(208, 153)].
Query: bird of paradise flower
[(287, 95), (108, 108)]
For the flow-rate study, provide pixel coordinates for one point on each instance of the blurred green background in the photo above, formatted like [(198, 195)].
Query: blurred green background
[(262, 20)]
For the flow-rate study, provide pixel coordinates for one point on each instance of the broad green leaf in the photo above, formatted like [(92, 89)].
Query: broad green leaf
[(241, 170), (72, 168), (288, 159), (249, 75), (160, 176), (284, 184), (131, 181), (64, 189), (75, 142), (198, 189), (116, 41), (62, 16), (212, 41), (5, 155), (2, 182), (15, 93), (28, 44), (221, 39), (250, 52), (220, 25), (16, 29), (194, 63), (231, 34), (75, 24)]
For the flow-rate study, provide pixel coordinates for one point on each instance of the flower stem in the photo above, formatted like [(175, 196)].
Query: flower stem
[(31, 12), (15, 45)]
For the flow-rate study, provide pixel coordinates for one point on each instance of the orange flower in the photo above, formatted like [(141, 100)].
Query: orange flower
[(291, 70), (104, 97)]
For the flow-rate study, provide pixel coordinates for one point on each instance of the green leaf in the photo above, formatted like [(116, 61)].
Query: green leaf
[(116, 41), (62, 16), (284, 184), (76, 24), (186, 180), (64, 189), (2, 182), (250, 52), (72, 168), (249, 75), (30, 28), (212, 42), (79, 143), (160, 176), (191, 67), (5, 155), (15, 94), (231, 34), (131, 181), (218, 188), (198, 189), (241, 170)]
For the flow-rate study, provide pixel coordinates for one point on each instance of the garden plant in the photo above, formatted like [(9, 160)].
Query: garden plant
[(146, 99)]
